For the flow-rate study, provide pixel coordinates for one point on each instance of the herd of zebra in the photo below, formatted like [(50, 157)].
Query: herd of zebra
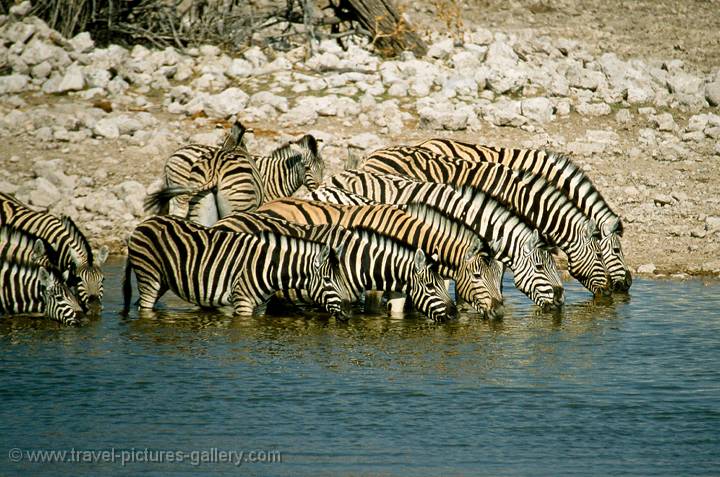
[(226, 231)]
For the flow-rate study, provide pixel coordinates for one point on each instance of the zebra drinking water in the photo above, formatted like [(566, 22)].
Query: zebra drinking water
[(561, 171), (28, 283), (74, 253), (514, 243), (371, 260), (213, 267), (529, 195)]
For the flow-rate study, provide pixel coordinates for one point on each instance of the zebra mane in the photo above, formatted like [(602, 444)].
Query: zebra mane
[(78, 238)]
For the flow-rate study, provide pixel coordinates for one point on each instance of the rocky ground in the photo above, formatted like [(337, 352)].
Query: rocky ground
[(86, 130)]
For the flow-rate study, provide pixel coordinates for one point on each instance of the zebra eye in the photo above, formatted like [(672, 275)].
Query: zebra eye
[(538, 267), (616, 250)]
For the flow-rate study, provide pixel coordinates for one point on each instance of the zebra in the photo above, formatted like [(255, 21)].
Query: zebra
[(28, 284), (232, 180), (529, 195), (290, 166), (337, 195), (74, 253), (89, 271), (481, 275), (178, 166), (180, 163), (514, 243), (213, 267), (561, 171), (461, 254), (372, 261)]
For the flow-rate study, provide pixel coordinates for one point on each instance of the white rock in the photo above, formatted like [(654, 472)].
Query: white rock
[(366, 141), (664, 122), (18, 32), (684, 83), (443, 116), (21, 10), (14, 83), (223, 105), (211, 138), (53, 171), (712, 93), (132, 193), (584, 78), (639, 93), (107, 128), (74, 80), (602, 136), (41, 70), (501, 54), (209, 50), (82, 42), (441, 49), (538, 109), (267, 98), (593, 109), (297, 116), (647, 269), (504, 112), (501, 79), (255, 56), (623, 116), (37, 51), (44, 193), (712, 223)]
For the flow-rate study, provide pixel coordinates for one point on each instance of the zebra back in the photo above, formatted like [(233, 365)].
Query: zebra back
[(564, 174), (336, 195), (290, 166), (528, 194)]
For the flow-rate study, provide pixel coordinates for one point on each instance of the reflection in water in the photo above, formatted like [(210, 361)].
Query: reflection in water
[(602, 386)]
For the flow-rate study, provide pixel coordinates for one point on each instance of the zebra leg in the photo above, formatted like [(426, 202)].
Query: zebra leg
[(150, 290), (373, 299)]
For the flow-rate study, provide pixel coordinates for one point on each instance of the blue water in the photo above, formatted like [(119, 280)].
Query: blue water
[(623, 386)]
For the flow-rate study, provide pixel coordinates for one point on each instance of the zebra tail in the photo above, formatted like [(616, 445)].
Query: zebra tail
[(127, 286), (158, 201)]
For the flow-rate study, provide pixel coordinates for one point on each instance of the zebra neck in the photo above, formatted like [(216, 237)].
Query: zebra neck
[(282, 174), (26, 295)]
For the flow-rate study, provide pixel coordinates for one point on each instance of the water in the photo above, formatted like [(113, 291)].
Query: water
[(624, 386)]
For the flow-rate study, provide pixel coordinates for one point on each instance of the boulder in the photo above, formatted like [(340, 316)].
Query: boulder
[(538, 109), (74, 80), (44, 193), (225, 104), (647, 269), (107, 128), (664, 122), (14, 83), (441, 49), (593, 109), (82, 42), (712, 93)]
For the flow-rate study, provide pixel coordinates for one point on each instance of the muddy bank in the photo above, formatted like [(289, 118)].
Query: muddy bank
[(86, 130)]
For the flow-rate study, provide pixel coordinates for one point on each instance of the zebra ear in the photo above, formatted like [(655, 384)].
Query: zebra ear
[(322, 257), (610, 227), (38, 250), (591, 229), (45, 278), (102, 255), (532, 242), (338, 251), (476, 248), (420, 260)]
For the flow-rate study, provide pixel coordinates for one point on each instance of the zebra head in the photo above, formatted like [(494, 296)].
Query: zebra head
[(307, 148), (60, 302), (613, 255), (585, 261), (90, 286), (536, 274), (427, 289), (235, 138), (327, 284), (479, 281)]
